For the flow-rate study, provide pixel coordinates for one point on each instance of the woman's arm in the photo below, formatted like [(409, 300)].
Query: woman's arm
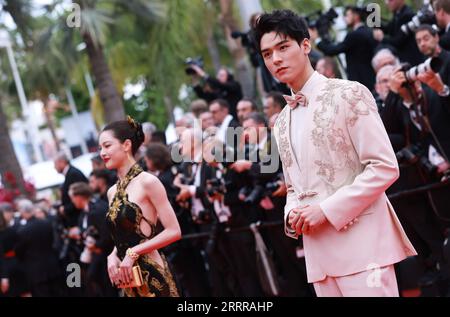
[(156, 193)]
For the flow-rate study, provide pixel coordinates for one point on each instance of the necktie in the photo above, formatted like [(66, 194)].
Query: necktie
[(297, 99)]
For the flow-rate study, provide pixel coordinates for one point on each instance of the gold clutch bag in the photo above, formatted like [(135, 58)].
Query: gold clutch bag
[(137, 278)]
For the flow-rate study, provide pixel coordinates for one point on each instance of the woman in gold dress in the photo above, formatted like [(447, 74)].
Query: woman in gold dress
[(137, 202)]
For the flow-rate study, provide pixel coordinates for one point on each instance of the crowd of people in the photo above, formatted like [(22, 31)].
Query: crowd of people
[(221, 204)]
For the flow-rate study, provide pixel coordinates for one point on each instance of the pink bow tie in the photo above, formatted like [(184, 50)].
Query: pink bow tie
[(297, 99)]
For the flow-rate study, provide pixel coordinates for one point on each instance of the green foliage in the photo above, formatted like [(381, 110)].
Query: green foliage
[(142, 39)]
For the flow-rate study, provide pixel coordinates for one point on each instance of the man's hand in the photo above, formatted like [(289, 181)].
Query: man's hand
[(433, 80), (184, 194), (396, 81), (443, 167), (306, 219), (198, 70), (241, 165), (281, 191), (177, 181), (4, 285)]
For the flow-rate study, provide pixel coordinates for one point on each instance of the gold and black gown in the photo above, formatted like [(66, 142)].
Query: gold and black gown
[(124, 218)]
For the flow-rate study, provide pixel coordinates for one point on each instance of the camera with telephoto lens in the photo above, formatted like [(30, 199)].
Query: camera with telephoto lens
[(246, 39), (432, 64), (204, 216), (215, 186), (417, 154), (424, 16), (323, 22), (253, 195), (198, 61)]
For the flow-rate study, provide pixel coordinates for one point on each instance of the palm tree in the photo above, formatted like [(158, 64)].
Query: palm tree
[(98, 17), (8, 159)]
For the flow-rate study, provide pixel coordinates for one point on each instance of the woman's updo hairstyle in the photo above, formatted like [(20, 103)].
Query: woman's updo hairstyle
[(127, 129)]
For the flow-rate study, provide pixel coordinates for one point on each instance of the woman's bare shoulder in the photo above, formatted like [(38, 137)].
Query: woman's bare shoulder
[(148, 179), (111, 192)]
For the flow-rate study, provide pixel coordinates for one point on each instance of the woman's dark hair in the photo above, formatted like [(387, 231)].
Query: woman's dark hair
[(283, 22), (159, 154), (127, 130)]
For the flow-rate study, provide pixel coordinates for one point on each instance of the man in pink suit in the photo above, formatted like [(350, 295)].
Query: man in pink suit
[(337, 162)]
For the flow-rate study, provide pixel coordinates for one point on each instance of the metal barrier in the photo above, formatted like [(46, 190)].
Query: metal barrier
[(260, 224)]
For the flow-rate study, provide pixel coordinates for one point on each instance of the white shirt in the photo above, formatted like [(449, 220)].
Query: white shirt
[(262, 144), (222, 132), (447, 27), (298, 116), (66, 169), (197, 204)]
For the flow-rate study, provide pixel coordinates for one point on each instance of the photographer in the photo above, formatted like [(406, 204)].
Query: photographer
[(93, 232), (268, 193), (244, 108), (392, 34), (222, 87), (427, 40), (328, 67), (425, 140), (384, 57), (273, 104), (391, 110), (442, 12), (268, 81), (34, 250), (100, 182), (192, 181), (184, 255), (358, 46)]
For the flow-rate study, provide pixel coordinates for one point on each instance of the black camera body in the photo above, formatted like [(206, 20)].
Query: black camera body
[(215, 186), (417, 154), (254, 194), (198, 61), (204, 217), (323, 22), (424, 16)]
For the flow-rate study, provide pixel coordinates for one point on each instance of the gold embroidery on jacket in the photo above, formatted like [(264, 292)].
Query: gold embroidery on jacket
[(327, 136), (360, 102), (285, 151)]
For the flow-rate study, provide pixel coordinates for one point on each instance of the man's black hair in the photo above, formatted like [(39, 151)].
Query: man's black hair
[(283, 22), (360, 11), (427, 27)]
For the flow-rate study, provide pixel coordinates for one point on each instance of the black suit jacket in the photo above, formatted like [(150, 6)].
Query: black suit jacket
[(439, 115), (231, 91), (392, 114), (358, 46), (405, 45), (444, 41), (71, 214), (206, 173), (35, 250), (96, 217), (445, 68)]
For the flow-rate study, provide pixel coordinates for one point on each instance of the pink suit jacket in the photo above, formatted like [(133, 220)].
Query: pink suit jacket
[(345, 164)]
